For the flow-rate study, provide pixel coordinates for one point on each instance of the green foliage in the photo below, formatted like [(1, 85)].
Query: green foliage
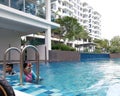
[(23, 42), (36, 41), (70, 29), (114, 49), (85, 50), (62, 47), (115, 44), (115, 41), (101, 44), (97, 50)]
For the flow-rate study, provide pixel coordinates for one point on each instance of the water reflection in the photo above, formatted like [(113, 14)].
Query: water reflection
[(34, 7), (17, 4), (5, 2), (30, 7)]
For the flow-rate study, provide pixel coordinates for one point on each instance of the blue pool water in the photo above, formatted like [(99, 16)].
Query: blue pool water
[(85, 78)]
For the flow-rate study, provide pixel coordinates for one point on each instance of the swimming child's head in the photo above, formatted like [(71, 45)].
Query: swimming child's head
[(27, 67), (9, 67)]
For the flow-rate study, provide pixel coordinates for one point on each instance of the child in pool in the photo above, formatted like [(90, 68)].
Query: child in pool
[(9, 69), (29, 75)]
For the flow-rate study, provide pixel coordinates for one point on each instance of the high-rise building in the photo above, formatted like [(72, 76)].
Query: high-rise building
[(91, 20), (85, 14)]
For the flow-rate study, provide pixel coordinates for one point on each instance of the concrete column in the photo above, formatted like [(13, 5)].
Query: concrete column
[(48, 31), (48, 41), (48, 9)]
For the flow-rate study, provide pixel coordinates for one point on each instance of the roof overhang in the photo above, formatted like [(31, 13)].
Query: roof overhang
[(23, 22)]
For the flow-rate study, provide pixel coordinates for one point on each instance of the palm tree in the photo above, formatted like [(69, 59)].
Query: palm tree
[(70, 29)]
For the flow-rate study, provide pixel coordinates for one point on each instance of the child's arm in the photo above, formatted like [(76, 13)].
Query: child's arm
[(34, 76)]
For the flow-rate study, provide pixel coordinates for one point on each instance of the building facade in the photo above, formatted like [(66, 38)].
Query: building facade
[(91, 20), (83, 12), (23, 17)]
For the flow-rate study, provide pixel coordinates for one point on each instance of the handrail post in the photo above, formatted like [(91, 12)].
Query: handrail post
[(45, 55), (21, 61), (36, 57), (5, 55), (21, 70)]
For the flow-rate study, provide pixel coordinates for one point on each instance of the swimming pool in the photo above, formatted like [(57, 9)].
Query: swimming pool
[(85, 78)]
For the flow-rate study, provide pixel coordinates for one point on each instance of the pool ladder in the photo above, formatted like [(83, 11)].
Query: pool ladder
[(21, 60)]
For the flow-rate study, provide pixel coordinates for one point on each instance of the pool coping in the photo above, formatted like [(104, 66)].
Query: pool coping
[(19, 93)]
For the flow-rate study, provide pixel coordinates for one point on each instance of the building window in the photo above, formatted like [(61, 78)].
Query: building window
[(4, 2), (90, 30), (89, 20), (59, 1), (89, 10), (64, 4), (53, 6), (89, 25), (18, 4), (89, 15), (59, 9)]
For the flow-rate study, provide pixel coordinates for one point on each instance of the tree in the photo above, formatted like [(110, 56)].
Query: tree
[(102, 44), (70, 29), (115, 44), (115, 41)]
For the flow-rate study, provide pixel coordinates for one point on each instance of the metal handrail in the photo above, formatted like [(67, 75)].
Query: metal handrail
[(45, 54), (4, 64), (37, 58), (21, 61)]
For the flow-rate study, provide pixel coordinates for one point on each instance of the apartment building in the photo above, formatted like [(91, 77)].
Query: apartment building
[(91, 20), (83, 12), (23, 17), (62, 8)]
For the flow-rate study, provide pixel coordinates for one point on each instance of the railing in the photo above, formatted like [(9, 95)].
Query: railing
[(36, 57), (34, 7), (21, 52), (4, 66)]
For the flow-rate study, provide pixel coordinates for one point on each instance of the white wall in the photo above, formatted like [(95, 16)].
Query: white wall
[(9, 40), (41, 49), (31, 53)]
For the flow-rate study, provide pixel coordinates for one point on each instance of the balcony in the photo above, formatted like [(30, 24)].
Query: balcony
[(68, 2), (20, 22), (34, 7)]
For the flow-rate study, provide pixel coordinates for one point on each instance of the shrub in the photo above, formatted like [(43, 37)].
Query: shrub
[(114, 49), (97, 51), (62, 47)]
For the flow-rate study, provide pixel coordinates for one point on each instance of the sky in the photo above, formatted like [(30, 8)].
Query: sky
[(110, 16)]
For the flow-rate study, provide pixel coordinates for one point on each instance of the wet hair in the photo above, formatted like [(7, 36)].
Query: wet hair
[(10, 65), (24, 65)]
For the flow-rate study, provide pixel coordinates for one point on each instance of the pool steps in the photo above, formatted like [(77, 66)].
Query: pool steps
[(34, 89)]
